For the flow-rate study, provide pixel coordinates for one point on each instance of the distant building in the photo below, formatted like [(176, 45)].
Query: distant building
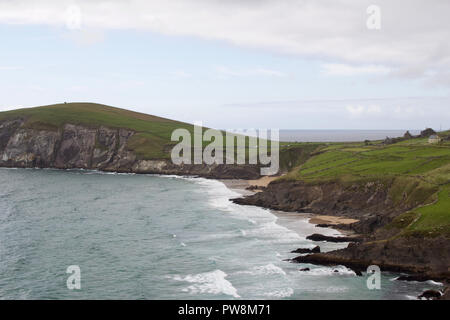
[(408, 135), (434, 139), (427, 132)]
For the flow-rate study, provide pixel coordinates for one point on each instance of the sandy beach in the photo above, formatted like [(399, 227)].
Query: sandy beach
[(241, 185), (323, 219)]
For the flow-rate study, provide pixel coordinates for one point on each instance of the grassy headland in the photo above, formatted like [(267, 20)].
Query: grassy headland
[(153, 134), (415, 171)]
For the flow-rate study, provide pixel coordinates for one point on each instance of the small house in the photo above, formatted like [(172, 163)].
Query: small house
[(434, 139)]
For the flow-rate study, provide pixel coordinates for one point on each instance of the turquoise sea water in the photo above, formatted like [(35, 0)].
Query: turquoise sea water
[(158, 237)]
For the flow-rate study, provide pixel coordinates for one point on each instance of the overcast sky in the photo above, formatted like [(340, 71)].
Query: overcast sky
[(288, 64)]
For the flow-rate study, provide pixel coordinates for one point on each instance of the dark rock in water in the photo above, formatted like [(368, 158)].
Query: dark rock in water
[(324, 225), (316, 249), (419, 278), (321, 237), (336, 271), (430, 294), (305, 269), (325, 260), (252, 188)]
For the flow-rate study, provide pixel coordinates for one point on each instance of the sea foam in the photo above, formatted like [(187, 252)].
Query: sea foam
[(278, 294), (263, 270), (209, 282)]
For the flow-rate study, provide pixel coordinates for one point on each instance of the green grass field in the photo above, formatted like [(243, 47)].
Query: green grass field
[(435, 217), (357, 161), (412, 167)]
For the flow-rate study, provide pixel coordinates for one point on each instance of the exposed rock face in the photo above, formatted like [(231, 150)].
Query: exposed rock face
[(103, 148), (425, 257), (320, 237), (316, 249), (430, 295), (369, 203), (25, 148), (428, 256), (75, 147)]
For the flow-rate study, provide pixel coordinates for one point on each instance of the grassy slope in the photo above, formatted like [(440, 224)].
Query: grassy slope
[(152, 138), (153, 133), (412, 167)]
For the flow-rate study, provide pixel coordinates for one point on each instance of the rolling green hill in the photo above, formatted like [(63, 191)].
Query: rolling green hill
[(153, 133)]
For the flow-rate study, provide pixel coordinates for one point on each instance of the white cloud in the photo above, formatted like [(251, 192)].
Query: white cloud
[(10, 68), (180, 74), (338, 69), (386, 113), (413, 38), (360, 111), (225, 72)]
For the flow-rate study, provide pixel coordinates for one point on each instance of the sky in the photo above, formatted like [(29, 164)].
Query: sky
[(287, 64)]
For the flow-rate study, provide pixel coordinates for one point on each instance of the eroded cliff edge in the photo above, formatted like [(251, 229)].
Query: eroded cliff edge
[(97, 148), (383, 223)]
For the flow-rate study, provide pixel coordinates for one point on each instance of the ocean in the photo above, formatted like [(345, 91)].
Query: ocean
[(159, 237), (340, 135)]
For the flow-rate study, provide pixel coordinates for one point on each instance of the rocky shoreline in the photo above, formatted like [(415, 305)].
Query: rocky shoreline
[(103, 148), (424, 258), (108, 149)]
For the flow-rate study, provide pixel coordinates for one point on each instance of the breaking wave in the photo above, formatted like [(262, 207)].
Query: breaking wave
[(209, 282)]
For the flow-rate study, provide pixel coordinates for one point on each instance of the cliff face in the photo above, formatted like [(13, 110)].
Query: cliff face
[(373, 206), (427, 258), (370, 203), (70, 147), (102, 148)]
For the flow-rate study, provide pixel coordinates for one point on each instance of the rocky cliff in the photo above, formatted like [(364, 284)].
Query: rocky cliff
[(372, 204), (98, 148)]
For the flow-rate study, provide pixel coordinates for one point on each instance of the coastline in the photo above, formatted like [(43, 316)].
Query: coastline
[(329, 227), (330, 223), (248, 187), (286, 219)]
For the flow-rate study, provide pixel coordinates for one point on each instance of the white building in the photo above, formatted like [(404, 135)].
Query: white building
[(434, 139)]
